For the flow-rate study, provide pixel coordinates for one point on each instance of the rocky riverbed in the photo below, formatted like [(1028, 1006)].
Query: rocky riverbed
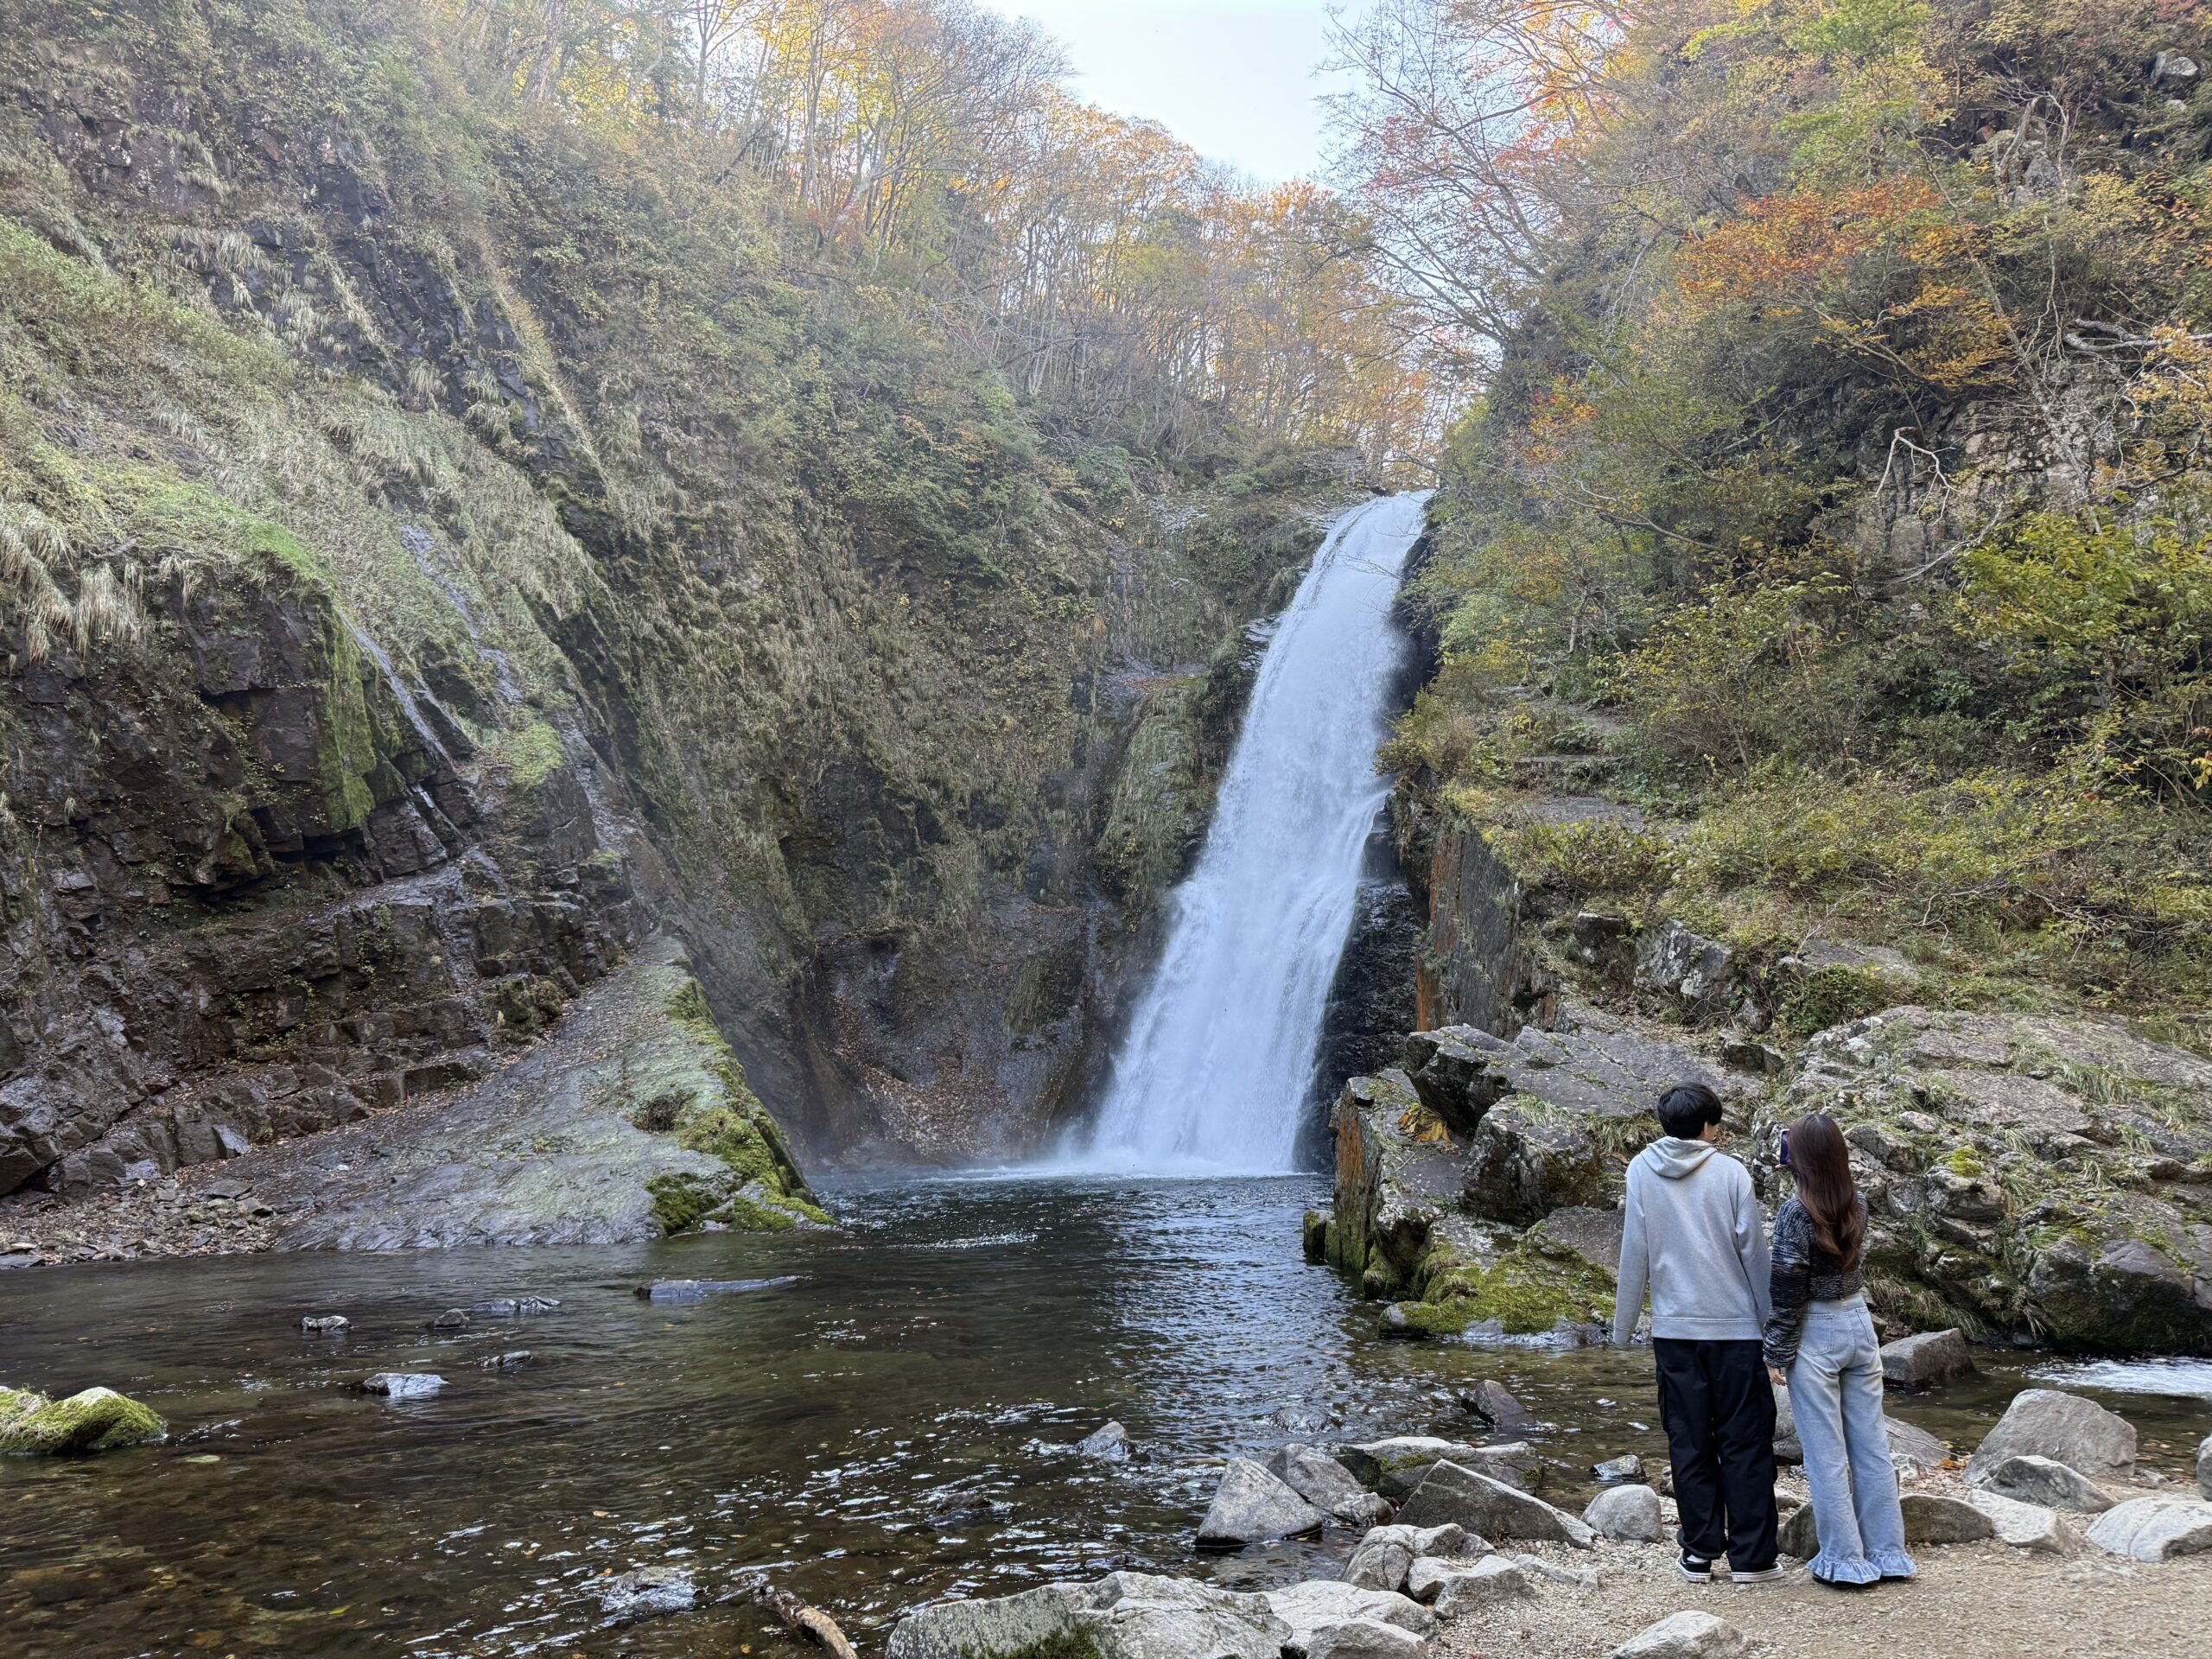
[(2050, 1541)]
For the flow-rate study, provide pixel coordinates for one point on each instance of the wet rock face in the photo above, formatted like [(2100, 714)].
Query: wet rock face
[(252, 914), (2022, 1172)]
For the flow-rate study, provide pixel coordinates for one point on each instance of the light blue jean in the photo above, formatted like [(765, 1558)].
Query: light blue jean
[(1836, 1394)]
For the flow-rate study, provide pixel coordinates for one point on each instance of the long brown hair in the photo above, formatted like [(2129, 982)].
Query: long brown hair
[(1821, 1163)]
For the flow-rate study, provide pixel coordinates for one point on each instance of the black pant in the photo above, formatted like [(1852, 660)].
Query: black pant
[(1719, 1410)]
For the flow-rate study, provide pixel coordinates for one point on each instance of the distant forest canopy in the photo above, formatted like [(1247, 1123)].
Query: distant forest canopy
[(1118, 282), (1845, 375)]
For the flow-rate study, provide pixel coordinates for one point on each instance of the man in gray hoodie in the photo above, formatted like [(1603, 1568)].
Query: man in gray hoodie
[(1694, 1236)]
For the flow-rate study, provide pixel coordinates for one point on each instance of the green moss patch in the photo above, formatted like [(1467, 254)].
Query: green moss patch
[(97, 1419)]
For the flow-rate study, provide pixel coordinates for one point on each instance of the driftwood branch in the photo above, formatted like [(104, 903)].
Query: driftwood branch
[(812, 1623)]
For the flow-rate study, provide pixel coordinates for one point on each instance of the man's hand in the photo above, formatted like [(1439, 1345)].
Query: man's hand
[(1776, 1376)]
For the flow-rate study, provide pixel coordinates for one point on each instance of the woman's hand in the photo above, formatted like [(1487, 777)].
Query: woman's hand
[(1776, 1376)]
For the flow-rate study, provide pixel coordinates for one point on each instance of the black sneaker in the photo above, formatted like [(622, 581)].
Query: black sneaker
[(1698, 1569), (1843, 1583)]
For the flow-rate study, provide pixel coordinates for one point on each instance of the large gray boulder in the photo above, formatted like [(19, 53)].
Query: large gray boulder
[(1123, 1614), (2029, 1479), (1325, 1484), (1913, 1451), (2024, 1526), (1455, 1588), (1688, 1635), (1931, 1518), (1251, 1506), (1386, 1554), (2064, 1427), (2154, 1528), (989, 1628), (1625, 1514), (1475, 1501), (1320, 1603), (1361, 1638), (1927, 1360), (1394, 1466)]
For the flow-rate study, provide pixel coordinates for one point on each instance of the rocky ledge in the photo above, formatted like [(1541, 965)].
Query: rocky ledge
[(2037, 1177), (632, 1119), (1478, 1182)]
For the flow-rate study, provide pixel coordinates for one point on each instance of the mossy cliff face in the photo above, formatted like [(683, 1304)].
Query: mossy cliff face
[(441, 550)]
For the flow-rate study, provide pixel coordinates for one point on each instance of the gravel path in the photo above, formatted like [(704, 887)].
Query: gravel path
[(1971, 1601)]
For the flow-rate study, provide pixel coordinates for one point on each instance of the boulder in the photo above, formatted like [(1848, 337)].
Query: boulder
[(1787, 1448), (1913, 1451), (1251, 1506), (1615, 1470), (1394, 1466), (1490, 1400), (1625, 1514), (1315, 1605), (403, 1385), (2040, 1480), (1574, 1578), (516, 1307), (1362, 1639), (94, 1420), (454, 1318), (647, 1593), (1107, 1444), (1800, 1536), (1386, 1554), (1930, 1518), (1323, 1482), (1454, 1588), (2064, 1427), (698, 1290), (1449, 1070), (1481, 1504), (1927, 1360), (1686, 1635), (2154, 1528), (2024, 1526), (2204, 1467), (513, 1360), (1122, 1616), (324, 1325)]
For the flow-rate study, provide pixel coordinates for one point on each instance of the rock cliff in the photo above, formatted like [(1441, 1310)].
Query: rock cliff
[(434, 565)]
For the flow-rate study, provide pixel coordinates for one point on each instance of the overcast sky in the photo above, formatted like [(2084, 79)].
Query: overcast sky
[(1234, 80)]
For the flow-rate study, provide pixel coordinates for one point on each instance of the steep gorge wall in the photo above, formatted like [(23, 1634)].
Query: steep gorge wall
[(519, 559)]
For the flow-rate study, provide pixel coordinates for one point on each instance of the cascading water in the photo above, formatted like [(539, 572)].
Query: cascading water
[(1213, 1073)]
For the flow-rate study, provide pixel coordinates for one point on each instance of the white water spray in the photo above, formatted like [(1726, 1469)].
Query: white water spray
[(1213, 1074)]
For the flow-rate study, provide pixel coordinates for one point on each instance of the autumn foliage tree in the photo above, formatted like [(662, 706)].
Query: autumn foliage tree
[(1840, 416), (1122, 285)]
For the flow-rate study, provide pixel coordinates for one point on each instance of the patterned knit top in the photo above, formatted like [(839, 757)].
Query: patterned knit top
[(1803, 1273)]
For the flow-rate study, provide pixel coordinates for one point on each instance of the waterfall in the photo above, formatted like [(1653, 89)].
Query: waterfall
[(1213, 1075)]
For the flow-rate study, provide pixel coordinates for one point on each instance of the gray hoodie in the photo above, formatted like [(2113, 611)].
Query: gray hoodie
[(1695, 1236)]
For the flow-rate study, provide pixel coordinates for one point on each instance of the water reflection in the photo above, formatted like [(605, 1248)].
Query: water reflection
[(896, 1425)]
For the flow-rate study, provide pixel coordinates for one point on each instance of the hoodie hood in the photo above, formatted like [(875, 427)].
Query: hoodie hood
[(1672, 1156)]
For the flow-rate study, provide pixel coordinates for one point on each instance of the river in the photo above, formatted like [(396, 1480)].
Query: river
[(894, 1427)]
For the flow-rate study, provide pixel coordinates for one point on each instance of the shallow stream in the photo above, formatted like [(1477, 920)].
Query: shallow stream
[(894, 1427)]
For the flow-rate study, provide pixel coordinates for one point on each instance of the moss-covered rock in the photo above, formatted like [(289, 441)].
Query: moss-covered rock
[(2026, 1175), (95, 1420)]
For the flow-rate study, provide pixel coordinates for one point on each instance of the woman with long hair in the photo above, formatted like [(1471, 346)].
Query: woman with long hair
[(1821, 1341)]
